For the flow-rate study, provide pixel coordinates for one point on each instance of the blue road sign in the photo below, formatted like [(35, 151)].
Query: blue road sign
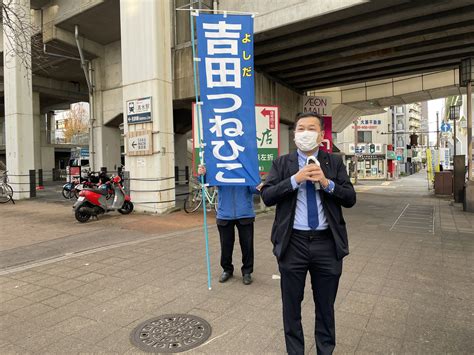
[(445, 127)]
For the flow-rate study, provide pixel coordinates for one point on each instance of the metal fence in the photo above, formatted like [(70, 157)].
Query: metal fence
[(36, 180)]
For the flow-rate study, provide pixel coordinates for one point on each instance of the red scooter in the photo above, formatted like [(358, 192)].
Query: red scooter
[(93, 202)]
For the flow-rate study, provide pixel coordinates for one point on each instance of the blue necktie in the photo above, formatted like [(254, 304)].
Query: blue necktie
[(313, 218)]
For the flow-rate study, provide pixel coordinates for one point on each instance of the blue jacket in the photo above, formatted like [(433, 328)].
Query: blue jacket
[(235, 202)]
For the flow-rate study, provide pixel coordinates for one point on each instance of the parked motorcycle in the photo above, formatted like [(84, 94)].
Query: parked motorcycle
[(93, 202), (96, 180), (88, 185)]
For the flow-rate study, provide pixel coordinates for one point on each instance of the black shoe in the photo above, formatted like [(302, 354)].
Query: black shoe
[(247, 279), (225, 276)]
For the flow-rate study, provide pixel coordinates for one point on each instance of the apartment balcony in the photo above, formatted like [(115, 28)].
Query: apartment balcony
[(414, 107), (414, 114)]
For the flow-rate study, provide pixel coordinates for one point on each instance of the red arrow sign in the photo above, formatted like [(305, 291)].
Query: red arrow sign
[(271, 117)]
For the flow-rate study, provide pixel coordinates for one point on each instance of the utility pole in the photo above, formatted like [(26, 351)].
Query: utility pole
[(437, 140), (356, 168), (437, 130)]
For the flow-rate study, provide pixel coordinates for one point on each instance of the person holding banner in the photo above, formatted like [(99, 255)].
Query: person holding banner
[(235, 209), (226, 117), (309, 234)]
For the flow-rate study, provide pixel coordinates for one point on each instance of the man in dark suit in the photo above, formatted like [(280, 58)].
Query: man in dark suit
[(309, 232)]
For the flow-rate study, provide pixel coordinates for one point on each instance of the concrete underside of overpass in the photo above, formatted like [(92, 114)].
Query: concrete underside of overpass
[(369, 41)]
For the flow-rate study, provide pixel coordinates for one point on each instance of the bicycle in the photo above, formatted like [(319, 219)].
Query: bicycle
[(69, 188), (194, 199), (6, 191)]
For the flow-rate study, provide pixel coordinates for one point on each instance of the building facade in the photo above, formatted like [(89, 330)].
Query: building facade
[(407, 123), (372, 140)]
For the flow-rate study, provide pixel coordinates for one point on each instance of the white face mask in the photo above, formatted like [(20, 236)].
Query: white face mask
[(306, 140)]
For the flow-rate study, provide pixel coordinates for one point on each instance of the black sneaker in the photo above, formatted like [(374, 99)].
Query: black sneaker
[(247, 279)]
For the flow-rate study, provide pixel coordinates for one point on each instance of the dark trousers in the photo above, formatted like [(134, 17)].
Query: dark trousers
[(317, 255), (227, 237)]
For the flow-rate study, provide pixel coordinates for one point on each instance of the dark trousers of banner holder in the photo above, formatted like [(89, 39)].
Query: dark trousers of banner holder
[(313, 252), (227, 238)]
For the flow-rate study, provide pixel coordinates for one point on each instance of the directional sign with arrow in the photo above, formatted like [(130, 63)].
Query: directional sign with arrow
[(270, 113), (445, 127), (267, 125), (139, 143), (139, 110)]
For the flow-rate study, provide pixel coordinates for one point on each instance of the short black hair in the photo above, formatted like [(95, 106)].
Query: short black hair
[(301, 115)]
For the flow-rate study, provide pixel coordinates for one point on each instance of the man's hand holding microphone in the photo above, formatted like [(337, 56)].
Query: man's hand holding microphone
[(312, 172)]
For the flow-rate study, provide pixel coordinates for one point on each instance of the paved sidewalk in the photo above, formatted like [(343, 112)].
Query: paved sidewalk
[(36, 230), (402, 291)]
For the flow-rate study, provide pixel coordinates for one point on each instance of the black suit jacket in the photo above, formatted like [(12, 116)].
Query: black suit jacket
[(279, 191)]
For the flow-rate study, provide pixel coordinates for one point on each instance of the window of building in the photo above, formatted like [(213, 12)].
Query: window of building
[(364, 136)]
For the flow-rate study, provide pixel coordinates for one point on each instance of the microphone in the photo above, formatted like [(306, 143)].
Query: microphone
[(313, 160)]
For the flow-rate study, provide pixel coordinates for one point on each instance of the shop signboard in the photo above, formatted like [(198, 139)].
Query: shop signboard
[(267, 122), (321, 105)]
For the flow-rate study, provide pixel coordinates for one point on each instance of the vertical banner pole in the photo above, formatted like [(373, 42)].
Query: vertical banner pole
[(201, 157)]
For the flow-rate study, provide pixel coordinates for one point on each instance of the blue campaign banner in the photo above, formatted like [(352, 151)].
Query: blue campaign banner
[(226, 82)]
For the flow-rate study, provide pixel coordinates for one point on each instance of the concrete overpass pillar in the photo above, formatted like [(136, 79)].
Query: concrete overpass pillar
[(37, 130), (147, 72), (19, 120), (284, 139), (2, 130), (106, 139), (47, 151)]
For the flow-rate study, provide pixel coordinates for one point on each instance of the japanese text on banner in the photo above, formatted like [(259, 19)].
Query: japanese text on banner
[(226, 81)]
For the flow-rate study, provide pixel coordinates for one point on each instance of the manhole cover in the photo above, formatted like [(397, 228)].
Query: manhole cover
[(171, 333)]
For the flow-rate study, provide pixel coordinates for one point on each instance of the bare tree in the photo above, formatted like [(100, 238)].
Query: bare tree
[(76, 122), (22, 39)]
